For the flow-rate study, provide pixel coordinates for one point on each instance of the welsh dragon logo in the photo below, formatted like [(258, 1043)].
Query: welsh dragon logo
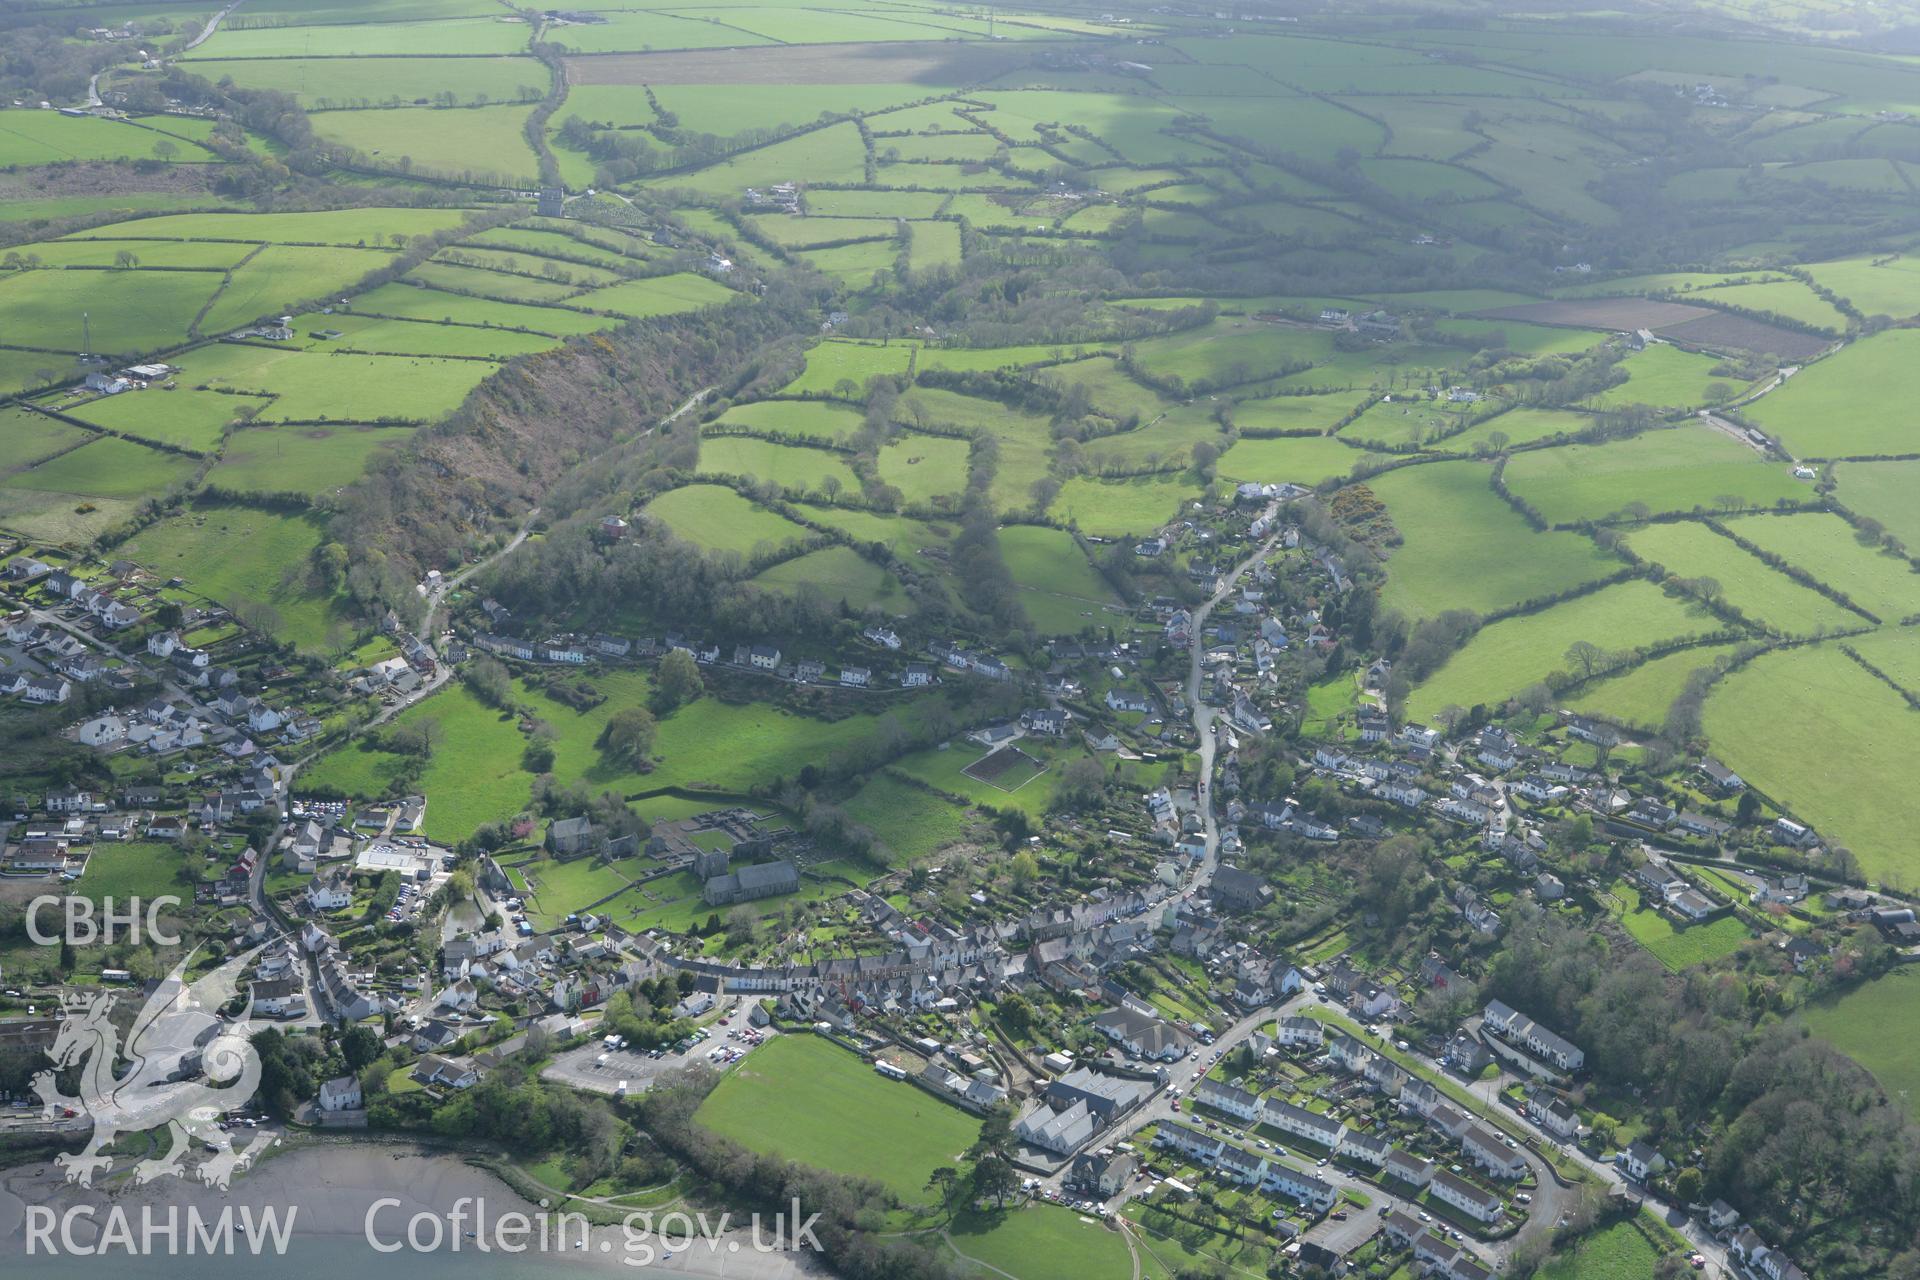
[(163, 1077)]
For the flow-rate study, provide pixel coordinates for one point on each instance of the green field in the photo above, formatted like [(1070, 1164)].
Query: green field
[(810, 1100), (715, 517), (44, 137), (1848, 405), (107, 468), (1618, 1252), (925, 467), (322, 83), (475, 775), (1306, 460), (1464, 548), (133, 869), (1841, 764), (1874, 1024), (27, 437), (1826, 547), (1115, 508), (242, 557), (1684, 469), (1057, 584), (911, 821), (307, 460), (1883, 491), (1692, 550), (814, 419), (1505, 657), (190, 419), (130, 311), (830, 364), (1644, 695), (839, 574), (318, 386), (798, 470), (656, 296), (1038, 1242), (1665, 377)]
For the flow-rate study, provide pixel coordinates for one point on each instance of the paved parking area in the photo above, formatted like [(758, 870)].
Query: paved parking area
[(598, 1069)]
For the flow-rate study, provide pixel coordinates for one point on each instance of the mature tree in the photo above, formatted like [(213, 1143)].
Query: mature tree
[(628, 736), (677, 682)]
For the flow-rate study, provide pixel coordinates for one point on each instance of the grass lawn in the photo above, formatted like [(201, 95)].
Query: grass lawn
[(809, 1100), (1506, 657), (1875, 1024), (133, 869), (1846, 763), (1672, 946), (1849, 404), (239, 556), (1826, 547), (1618, 1252), (1039, 1242), (1464, 548), (1686, 468), (943, 769)]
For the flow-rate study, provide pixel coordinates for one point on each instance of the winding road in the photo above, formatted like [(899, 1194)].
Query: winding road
[(1204, 716)]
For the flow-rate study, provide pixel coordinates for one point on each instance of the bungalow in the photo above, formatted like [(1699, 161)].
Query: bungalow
[(1123, 700), (1723, 779), (456, 1073), (1142, 1035), (1481, 1206)]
